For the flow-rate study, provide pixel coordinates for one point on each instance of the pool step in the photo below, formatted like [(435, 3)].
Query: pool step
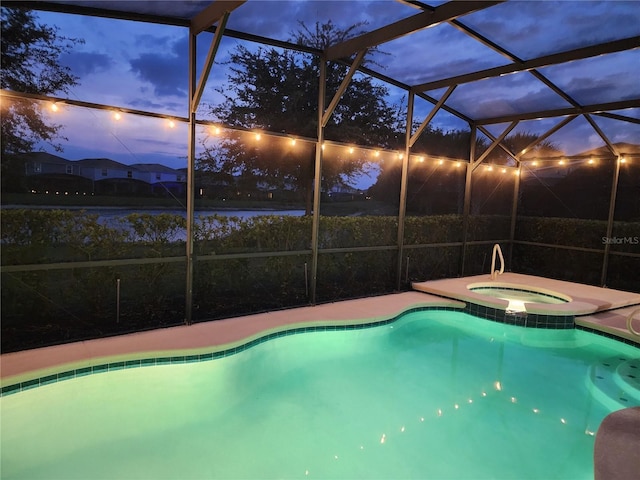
[(618, 378)]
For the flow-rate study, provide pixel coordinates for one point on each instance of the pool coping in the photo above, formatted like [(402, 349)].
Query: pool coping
[(227, 335), (585, 299), (600, 310), (208, 340)]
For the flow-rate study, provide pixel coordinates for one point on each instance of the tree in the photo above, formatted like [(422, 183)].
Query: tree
[(277, 90), (30, 61), (516, 143)]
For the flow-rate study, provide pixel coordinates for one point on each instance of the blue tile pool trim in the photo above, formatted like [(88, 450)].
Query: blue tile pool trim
[(148, 362), (488, 313), (521, 319), (609, 335)]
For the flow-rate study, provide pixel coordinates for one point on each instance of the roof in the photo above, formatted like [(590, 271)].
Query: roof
[(153, 167), (43, 157), (504, 67), (103, 163)]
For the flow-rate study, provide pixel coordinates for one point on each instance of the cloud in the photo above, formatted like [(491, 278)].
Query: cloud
[(151, 105), (517, 93), (86, 63), (167, 70), (251, 16)]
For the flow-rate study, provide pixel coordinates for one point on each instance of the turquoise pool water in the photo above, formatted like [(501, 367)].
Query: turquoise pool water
[(433, 395)]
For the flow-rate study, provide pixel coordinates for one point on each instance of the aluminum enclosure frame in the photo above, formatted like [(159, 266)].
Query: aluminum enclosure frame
[(219, 11)]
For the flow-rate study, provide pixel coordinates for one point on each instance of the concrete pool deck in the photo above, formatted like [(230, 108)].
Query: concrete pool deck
[(206, 337), (600, 309), (597, 308)]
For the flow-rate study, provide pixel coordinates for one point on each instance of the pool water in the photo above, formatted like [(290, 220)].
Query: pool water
[(433, 395), (524, 296)]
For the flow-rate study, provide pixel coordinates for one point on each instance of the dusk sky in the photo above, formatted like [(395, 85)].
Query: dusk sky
[(144, 66)]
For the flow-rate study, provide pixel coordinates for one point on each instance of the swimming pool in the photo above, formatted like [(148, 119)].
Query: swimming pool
[(435, 394)]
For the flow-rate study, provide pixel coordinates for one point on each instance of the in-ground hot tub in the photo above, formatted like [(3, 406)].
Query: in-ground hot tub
[(537, 307), (518, 295)]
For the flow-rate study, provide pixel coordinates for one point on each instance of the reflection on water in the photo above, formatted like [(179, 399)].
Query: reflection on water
[(112, 217)]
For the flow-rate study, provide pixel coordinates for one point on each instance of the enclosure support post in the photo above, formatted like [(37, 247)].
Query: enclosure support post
[(612, 209), (190, 179), (467, 197), (612, 200), (317, 180), (514, 212), (403, 187)]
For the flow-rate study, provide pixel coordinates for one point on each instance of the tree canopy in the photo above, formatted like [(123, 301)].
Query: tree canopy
[(276, 90), (30, 61)]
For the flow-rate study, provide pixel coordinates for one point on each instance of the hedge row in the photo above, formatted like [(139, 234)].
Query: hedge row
[(42, 307)]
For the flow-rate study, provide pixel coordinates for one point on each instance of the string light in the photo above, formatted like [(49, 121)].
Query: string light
[(351, 149), (293, 142), (258, 137)]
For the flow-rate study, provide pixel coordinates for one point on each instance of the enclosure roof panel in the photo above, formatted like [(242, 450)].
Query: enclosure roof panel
[(532, 29), (504, 58)]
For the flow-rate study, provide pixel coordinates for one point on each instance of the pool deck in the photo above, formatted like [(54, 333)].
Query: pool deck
[(599, 309), (207, 337)]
